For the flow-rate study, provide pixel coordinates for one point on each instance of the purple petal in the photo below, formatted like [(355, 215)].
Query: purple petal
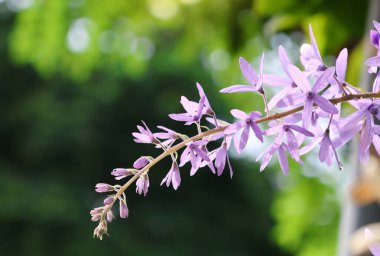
[(299, 78), (184, 117), (262, 65), (324, 148), (279, 96), (294, 99), (354, 118), (373, 62), (239, 88), (244, 137), (301, 130), (220, 160), (176, 177), (293, 145), (256, 129), (324, 79), (367, 134), (276, 80), (284, 59), (233, 128), (274, 130), (193, 159), (314, 43), (200, 108), (377, 25), (190, 106), (306, 114), (248, 72), (283, 160), (341, 64), (325, 104), (239, 114), (202, 154)]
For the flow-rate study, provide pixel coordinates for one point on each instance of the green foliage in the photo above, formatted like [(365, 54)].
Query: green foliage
[(307, 212)]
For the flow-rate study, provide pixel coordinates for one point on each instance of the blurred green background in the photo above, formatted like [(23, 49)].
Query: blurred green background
[(78, 75)]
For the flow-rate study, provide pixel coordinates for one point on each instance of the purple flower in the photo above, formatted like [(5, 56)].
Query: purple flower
[(173, 177), (207, 107), (193, 113), (310, 56), (169, 136), (145, 135), (221, 156), (247, 122), (278, 145), (142, 184), (96, 213), (327, 150), (375, 35), (123, 209), (280, 148), (141, 162), (195, 154), (290, 88), (368, 110), (103, 187), (121, 173), (310, 95), (251, 76)]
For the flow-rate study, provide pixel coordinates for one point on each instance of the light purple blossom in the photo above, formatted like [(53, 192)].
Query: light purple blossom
[(169, 136), (250, 75), (141, 162), (144, 135), (281, 131), (173, 177), (193, 113), (327, 150), (142, 184), (310, 56), (103, 187), (247, 123), (309, 95), (121, 173), (290, 86), (221, 157), (123, 209), (195, 154), (367, 112)]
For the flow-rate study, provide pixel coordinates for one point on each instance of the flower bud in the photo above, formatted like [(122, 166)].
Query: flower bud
[(109, 216), (124, 212), (141, 162), (103, 187), (108, 200), (121, 173)]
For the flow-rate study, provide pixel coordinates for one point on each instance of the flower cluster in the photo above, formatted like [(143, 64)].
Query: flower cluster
[(305, 114)]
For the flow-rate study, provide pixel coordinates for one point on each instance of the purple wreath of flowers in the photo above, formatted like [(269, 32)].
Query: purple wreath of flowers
[(310, 102)]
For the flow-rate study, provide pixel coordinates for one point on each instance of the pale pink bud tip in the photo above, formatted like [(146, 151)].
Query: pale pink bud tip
[(121, 173), (103, 187)]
